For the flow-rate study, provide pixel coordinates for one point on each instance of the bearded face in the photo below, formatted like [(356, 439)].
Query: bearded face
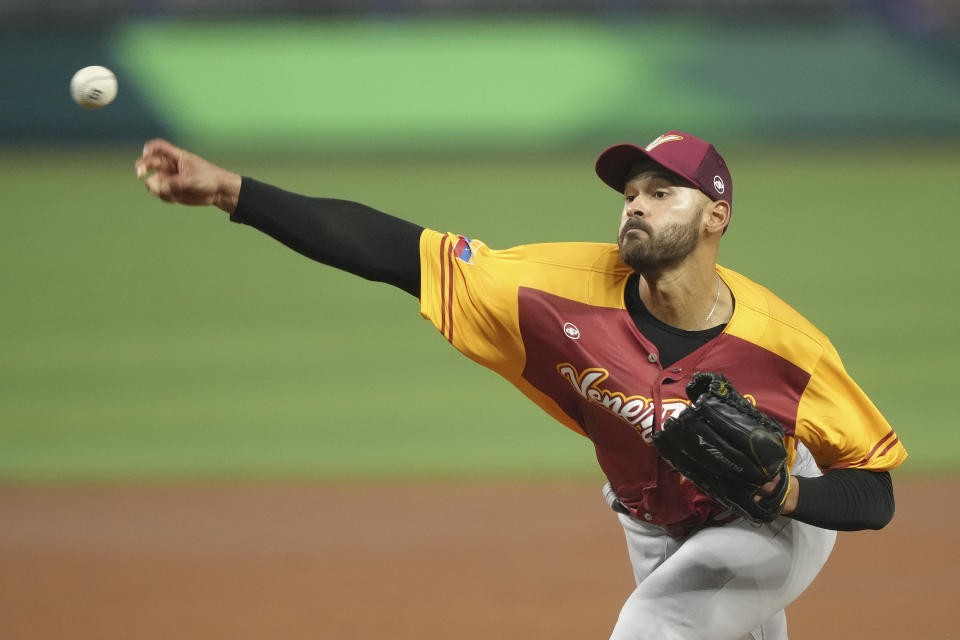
[(647, 250)]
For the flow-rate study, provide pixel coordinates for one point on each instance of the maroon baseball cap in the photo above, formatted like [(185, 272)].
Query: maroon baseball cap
[(688, 156)]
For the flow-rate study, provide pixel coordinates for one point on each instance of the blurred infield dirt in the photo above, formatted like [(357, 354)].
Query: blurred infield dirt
[(466, 561)]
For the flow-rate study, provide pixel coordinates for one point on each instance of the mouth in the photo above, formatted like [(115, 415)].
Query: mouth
[(633, 227)]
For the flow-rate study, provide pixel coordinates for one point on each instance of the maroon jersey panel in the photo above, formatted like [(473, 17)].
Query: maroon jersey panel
[(598, 368)]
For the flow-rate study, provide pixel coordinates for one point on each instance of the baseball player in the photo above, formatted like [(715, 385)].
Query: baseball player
[(651, 350)]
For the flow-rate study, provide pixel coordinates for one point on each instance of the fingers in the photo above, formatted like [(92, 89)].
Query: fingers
[(175, 175), (153, 163), (769, 488), (161, 186), (153, 185), (158, 155), (159, 146)]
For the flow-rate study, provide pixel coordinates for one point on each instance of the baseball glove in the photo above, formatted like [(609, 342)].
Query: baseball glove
[(727, 447)]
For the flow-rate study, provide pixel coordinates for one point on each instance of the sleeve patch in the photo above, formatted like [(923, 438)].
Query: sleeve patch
[(465, 250)]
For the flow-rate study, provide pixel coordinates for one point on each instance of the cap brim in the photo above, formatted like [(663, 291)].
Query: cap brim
[(614, 164)]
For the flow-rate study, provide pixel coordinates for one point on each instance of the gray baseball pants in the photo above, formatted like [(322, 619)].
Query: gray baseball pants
[(730, 582)]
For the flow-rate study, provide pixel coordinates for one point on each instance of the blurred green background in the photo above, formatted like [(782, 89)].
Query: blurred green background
[(144, 341)]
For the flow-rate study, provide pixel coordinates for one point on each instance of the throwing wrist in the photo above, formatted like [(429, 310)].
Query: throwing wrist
[(228, 192)]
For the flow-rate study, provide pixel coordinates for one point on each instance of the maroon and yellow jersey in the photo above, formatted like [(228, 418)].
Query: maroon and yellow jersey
[(550, 318)]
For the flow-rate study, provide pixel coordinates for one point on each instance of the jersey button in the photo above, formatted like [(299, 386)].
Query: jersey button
[(652, 357), (648, 516)]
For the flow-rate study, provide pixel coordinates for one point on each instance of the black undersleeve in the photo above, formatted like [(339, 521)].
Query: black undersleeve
[(846, 500), (343, 234)]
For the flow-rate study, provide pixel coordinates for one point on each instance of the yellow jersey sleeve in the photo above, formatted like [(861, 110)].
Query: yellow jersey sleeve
[(839, 423), (835, 419), (469, 293)]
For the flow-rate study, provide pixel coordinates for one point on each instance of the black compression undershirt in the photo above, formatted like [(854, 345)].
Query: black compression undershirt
[(377, 246), (343, 234), (672, 344), (846, 500)]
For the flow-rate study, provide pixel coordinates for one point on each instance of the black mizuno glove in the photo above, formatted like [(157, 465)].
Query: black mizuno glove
[(727, 447)]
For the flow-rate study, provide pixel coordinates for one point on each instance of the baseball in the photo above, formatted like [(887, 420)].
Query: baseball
[(93, 87)]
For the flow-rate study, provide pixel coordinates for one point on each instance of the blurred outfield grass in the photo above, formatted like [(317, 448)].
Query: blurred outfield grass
[(145, 341)]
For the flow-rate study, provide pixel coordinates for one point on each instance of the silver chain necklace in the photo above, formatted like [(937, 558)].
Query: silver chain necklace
[(715, 301)]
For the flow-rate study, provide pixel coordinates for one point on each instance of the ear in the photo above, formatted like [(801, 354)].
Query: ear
[(717, 216)]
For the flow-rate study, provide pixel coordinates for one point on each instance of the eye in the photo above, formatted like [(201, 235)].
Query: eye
[(660, 194), (630, 198)]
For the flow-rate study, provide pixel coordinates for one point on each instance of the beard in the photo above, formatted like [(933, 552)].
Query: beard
[(668, 248)]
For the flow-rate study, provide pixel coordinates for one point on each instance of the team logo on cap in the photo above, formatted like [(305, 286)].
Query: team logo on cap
[(667, 137), (718, 184)]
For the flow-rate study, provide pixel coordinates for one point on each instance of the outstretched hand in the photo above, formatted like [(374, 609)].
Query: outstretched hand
[(185, 178)]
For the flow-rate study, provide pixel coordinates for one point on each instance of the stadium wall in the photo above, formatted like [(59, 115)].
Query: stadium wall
[(521, 84)]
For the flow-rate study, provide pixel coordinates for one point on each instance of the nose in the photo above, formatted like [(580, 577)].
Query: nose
[(633, 211)]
